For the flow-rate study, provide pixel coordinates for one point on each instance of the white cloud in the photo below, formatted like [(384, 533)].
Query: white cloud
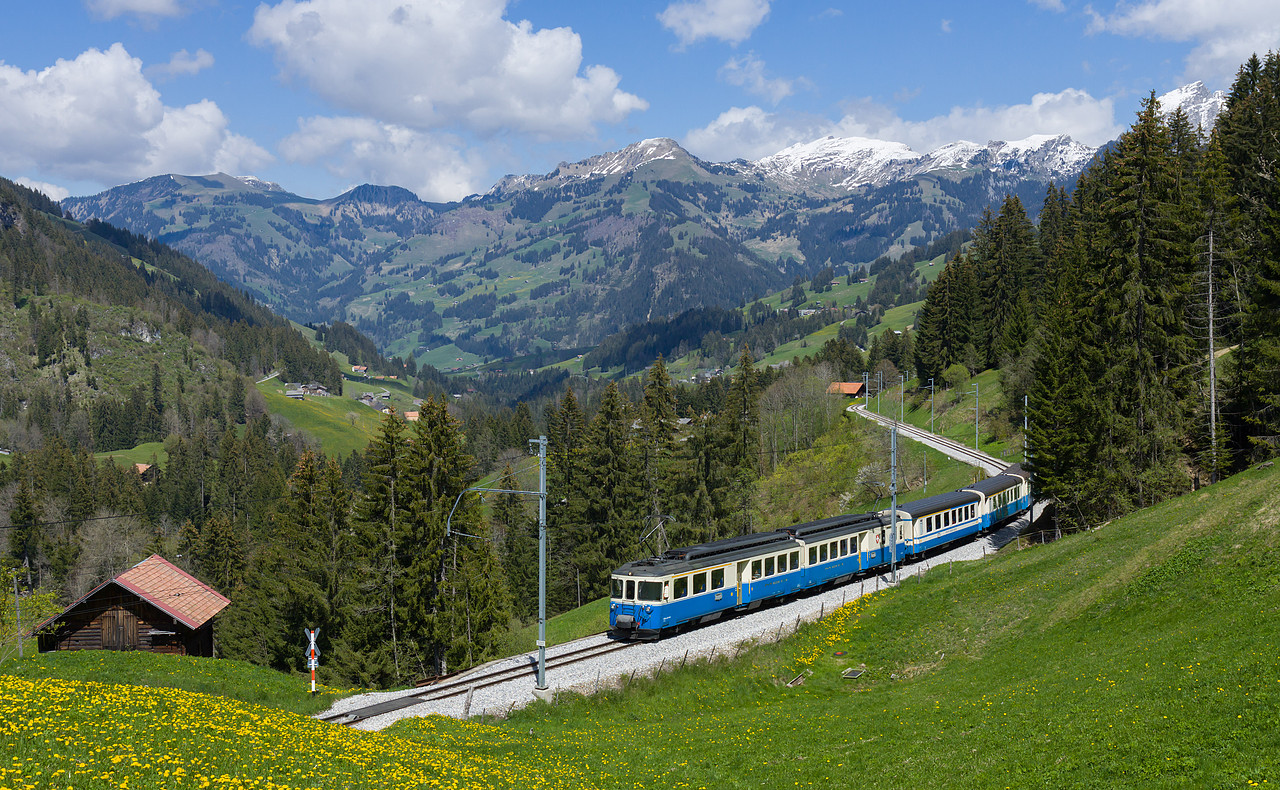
[(182, 63), (1049, 5), (1226, 33), (51, 190), (748, 72), (363, 150), (96, 118), (751, 132), (729, 20), (443, 64), (110, 9), (946, 26)]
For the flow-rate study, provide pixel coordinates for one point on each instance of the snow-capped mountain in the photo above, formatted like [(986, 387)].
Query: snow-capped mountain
[(1201, 106), (253, 182), (613, 163), (851, 162)]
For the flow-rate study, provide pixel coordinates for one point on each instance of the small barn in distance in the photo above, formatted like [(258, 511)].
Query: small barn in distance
[(851, 389), (153, 606)]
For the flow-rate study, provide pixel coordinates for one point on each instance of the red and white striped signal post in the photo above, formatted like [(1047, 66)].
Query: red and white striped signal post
[(313, 654)]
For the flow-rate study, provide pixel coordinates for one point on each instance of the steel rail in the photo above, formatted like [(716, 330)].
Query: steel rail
[(460, 686)]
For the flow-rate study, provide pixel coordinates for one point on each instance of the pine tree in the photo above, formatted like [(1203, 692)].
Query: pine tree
[(437, 473), (657, 438), (372, 633), (610, 530)]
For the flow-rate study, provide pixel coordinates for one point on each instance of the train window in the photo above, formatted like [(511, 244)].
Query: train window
[(835, 547), (755, 569), (768, 566), (631, 589), (717, 578), (844, 547), (651, 591), (681, 587), (699, 583), (813, 555), (617, 588), (795, 560), (822, 553)]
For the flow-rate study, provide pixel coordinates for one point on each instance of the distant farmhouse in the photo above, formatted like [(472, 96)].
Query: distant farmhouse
[(153, 606), (851, 389)]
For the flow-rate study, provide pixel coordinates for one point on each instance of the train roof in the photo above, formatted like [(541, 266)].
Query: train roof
[(938, 503), (855, 522), (703, 555), (996, 484), (1017, 470)]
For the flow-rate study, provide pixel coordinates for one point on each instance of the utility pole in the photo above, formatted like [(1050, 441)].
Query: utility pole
[(866, 390), (975, 416), (893, 504), (17, 610), (1025, 425), (930, 405), (541, 494), (542, 563), (1213, 378), (902, 396)]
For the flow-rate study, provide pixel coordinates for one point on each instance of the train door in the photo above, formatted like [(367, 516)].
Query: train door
[(741, 580)]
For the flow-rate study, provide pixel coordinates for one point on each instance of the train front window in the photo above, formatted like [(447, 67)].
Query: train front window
[(617, 588), (699, 583), (631, 590), (651, 591), (681, 587), (717, 578)]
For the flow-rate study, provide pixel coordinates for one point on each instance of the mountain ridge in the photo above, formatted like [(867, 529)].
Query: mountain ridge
[(561, 259)]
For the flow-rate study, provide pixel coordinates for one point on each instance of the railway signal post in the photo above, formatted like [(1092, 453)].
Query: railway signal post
[(313, 654)]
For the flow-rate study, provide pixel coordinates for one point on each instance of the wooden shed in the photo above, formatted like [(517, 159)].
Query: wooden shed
[(153, 606)]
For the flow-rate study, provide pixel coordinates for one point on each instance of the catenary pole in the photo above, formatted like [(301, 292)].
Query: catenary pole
[(893, 504), (542, 563), (541, 494)]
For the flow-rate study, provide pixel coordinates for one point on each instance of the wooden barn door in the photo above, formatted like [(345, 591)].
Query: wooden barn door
[(119, 629)]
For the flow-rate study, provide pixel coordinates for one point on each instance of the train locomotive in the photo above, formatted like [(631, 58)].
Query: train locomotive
[(698, 584)]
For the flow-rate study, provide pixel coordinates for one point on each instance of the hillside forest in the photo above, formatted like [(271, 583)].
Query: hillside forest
[(1101, 316)]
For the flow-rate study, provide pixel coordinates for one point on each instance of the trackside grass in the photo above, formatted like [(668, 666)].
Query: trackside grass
[(238, 680), (1144, 654)]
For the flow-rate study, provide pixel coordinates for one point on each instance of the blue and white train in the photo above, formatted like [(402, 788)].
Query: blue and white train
[(698, 584)]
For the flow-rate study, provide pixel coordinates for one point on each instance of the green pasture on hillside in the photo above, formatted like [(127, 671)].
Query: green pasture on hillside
[(1143, 654)]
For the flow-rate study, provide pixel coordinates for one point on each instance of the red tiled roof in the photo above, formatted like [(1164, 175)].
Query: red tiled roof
[(845, 388), (165, 586), (173, 591)]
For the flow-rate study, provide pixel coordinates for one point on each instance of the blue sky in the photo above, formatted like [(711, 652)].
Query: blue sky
[(445, 96)]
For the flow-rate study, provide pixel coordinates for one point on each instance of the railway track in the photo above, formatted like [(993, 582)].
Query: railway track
[(950, 447), (477, 680)]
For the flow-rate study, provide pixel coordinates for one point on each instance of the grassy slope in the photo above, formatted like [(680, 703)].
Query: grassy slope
[(1140, 655), (237, 680)]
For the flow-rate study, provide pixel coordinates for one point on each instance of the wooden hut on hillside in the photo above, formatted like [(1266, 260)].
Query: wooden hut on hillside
[(154, 606)]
